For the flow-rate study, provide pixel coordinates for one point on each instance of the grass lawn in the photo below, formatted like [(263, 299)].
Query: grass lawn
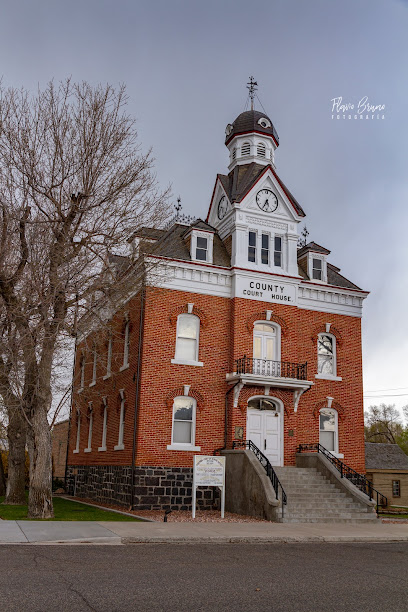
[(65, 510), (393, 515)]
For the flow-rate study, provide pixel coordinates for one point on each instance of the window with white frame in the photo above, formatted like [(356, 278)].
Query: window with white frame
[(326, 355), (94, 365), (120, 445), (277, 253), (202, 248), (78, 436), (328, 429), (104, 424), (261, 150), (396, 488), (245, 149), (184, 415), (126, 344), (317, 269), (265, 249), (109, 357), (88, 449), (252, 246), (188, 332), (82, 372)]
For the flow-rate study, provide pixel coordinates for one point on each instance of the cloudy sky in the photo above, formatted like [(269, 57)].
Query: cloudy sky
[(186, 63)]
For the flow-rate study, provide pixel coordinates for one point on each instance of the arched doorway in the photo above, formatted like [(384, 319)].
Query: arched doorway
[(265, 426)]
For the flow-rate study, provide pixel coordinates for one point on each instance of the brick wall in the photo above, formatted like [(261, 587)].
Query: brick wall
[(226, 333)]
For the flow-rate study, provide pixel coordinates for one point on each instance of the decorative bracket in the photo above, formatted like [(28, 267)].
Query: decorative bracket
[(237, 391), (297, 393)]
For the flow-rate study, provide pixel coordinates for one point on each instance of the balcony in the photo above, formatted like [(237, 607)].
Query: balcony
[(271, 369), (268, 373)]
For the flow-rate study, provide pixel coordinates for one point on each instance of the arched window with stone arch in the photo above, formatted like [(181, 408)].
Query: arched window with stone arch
[(267, 349), (187, 341), (326, 355), (328, 429)]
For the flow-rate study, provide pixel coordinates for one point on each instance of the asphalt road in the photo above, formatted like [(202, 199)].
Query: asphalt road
[(195, 577)]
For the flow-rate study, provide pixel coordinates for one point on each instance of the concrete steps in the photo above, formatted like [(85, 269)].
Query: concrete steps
[(312, 498)]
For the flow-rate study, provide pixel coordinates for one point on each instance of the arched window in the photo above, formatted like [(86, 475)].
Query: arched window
[(184, 417), (78, 436), (261, 150), (328, 429), (188, 331), (263, 403), (326, 355), (88, 449), (245, 149), (266, 349)]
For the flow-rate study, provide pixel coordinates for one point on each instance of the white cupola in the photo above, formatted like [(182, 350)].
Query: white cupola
[(251, 138)]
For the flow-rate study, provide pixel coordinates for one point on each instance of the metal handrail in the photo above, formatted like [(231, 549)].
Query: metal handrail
[(266, 464), (360, 481), (269, 367)]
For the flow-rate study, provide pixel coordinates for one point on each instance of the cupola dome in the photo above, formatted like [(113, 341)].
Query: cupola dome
[(249, 122)]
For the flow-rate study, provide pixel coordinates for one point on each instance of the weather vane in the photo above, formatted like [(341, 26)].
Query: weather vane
[(252, 86), (178, 207), (304, 234)]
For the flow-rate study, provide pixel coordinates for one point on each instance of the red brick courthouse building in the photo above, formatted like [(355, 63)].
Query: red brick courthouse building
[(239, 333)]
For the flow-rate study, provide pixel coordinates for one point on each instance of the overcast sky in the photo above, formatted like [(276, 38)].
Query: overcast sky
[(186, 64)]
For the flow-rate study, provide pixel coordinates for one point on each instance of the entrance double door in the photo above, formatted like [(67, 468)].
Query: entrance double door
[(264, 428)]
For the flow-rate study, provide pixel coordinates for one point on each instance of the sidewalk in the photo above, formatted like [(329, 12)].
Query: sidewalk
[(83, 532)]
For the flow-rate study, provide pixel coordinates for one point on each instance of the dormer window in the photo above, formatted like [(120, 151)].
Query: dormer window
[(202, 248), (317, 269), (245, 149), (264, 122), (261, 150)]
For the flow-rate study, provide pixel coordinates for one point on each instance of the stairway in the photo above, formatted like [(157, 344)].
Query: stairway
[(312, 498)]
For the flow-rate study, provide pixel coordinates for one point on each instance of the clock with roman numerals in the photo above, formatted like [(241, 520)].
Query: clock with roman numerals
[(266, 200)]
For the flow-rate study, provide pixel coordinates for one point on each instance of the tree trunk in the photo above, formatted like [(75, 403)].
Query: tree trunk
[(16, 434), (40, 494), (2, 477)]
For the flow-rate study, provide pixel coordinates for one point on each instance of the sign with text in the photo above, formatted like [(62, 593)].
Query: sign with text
[(209, 471), (265, 291)]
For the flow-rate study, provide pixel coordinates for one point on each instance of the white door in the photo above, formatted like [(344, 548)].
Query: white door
[(264, 428)]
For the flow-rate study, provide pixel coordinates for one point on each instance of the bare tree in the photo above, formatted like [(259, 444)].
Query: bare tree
[(383, 424), (73, 185)]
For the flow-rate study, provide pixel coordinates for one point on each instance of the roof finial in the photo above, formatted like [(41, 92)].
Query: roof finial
[(178, 207), (252, 85), (303, 237)]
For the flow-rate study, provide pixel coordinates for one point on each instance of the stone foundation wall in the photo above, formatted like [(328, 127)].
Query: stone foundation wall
[(155, 488)]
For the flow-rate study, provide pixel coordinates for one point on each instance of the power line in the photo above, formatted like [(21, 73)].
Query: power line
[(382, 390), (390, 395)]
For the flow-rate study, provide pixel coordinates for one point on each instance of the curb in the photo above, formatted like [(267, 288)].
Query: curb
[(262, 540)]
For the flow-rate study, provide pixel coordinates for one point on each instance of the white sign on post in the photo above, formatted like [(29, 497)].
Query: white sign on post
[(209, 471)]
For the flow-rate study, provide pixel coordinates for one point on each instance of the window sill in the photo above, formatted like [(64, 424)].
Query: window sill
[(93, 383), (124, 367), (119, 447), (75, 451), (101, 449), (187, 362), (337, 455), (87, 450), (327, 377), (107, 376), (183, 447), (80, 390)]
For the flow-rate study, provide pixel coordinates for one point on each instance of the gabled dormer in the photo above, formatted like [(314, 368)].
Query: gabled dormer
[(312, 259), (199, 239)]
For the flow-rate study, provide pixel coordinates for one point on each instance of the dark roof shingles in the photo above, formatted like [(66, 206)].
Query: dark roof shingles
[(385, 457)]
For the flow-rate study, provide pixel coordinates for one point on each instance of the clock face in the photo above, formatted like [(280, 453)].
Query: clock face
[(267, 200), (222, 207)]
